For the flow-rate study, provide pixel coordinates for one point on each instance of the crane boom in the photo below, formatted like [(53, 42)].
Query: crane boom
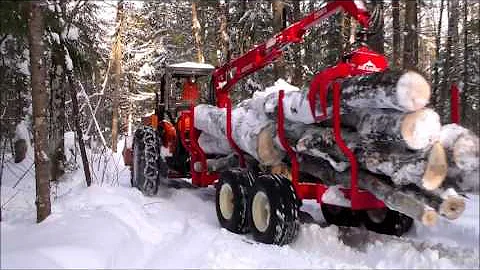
[(265, 53)]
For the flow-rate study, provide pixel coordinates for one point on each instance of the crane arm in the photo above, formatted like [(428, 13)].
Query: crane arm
[(265, 53)]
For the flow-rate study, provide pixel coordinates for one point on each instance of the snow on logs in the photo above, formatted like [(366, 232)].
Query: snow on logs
[(404, 153)]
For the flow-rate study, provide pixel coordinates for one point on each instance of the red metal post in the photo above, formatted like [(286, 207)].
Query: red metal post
[(281, 135), (454, 104), (229, 133), (343, 146)]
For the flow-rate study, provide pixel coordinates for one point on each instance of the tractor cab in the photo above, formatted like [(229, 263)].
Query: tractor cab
[(182, 85)]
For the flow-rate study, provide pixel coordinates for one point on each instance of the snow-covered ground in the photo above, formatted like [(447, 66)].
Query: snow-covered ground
[(110, 225)]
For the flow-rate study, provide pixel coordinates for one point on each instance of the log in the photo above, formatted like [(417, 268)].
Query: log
[(446, 202), (252, 131), (393, 197), (462, 147), (219, 164), (213, 145), (417, 130), (404, 91), (426, 169)]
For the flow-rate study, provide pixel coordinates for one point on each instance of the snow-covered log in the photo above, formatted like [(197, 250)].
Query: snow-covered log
[(252, 131)]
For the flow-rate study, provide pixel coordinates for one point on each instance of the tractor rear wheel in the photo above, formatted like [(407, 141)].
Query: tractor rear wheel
[(387, 221), (273, 211), (148, 165), (231, 201)]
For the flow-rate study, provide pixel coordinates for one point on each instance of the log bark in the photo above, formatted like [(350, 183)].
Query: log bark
[(392, 197)]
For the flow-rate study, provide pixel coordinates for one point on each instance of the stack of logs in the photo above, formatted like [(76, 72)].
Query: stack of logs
[(406, 157)]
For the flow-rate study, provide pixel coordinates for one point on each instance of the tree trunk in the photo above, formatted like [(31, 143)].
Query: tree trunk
[(436, 72), (297, 69), (396, 33), (465, 89), (376, 41), (39, 99), (196, 28), (279, 23), (451, 61), (410, 45), (57, 112), (223, 33), (117, 63), (76, 113)]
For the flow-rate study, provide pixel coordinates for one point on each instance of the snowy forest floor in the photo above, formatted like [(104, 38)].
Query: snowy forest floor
[(111, 225)]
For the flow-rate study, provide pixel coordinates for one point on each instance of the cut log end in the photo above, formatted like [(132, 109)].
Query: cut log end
[(452, 207), (413, 91), (429, 217), (268, 154), (437, 167), (466, 152), (421, 128)]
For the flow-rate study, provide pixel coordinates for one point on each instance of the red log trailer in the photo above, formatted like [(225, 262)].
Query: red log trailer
[(247, 199)]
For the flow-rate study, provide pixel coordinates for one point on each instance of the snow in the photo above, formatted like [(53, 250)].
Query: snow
[(24, 67), (55, 37), (111, 225), (335, 196), (193, 65), (21, 132), (71, 33), (68, 62)]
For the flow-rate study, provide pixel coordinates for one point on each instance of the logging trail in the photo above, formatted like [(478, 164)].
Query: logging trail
[(111, 225)]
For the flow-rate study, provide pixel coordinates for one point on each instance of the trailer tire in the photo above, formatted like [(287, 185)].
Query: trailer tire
[(393, 223), (148, 165), (273, 210), (341, 216), (231, 199)]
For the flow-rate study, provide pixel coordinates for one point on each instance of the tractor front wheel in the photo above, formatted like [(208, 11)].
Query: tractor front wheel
[(148, 165)]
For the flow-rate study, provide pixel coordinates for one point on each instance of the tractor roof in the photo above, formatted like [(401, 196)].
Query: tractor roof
[(190, 69)]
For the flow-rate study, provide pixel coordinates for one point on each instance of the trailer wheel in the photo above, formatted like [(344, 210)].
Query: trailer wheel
[(231, 201), (273, 211), (387, 221), (341, 216), (148, 166)]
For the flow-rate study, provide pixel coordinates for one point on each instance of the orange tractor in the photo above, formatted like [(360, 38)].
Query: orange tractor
[(249, 199)]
